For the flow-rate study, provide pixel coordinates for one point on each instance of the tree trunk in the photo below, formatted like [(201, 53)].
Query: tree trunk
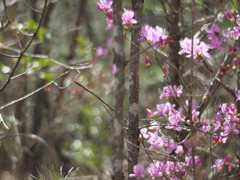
[(174, 47), (133, 124), (118, 143)]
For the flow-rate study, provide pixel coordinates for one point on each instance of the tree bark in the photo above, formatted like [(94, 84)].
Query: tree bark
[(174, 47), (133, 124), (120, 62)]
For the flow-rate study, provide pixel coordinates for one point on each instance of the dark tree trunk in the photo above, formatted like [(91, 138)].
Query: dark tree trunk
[(133, 124), (174, 47), (118, 144)]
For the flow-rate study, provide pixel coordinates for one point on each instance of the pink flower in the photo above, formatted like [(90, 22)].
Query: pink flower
[(215, 37), (227, 159), (174, 120), (237, 94), (149, 113), (105, 5), (127, 18), (202, 50), (109, 42), (114, 68), (235, 62), (229, 16), (238, 20), (147, 62), (101, 51), (199, 48), (138, 171), (164, 69), (164, 109), (144, 133), (179, 150), (155, 169), (189, 162), (167, 91), (170, 145), (154, 140), (155, 36), (218, 165), (109, 24), (229, 128)]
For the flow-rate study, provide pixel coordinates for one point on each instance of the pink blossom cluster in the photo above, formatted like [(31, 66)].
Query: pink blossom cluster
[(160, 169), (232, 33), (220, 127), (199, 48), (216, 36), (174, 91), (225, 123), (227, 162), (127, 16), (157, 36)]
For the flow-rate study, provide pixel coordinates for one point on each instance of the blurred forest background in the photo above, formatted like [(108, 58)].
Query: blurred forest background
[(53, 128)]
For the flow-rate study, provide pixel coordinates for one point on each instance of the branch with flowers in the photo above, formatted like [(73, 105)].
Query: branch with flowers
[(188, 137)]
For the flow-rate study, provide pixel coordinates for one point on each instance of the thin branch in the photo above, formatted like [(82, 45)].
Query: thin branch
[(34, 92), (100, 99), (32, 8), (5, 10), (9, 56), (25, 49), (85, 65)]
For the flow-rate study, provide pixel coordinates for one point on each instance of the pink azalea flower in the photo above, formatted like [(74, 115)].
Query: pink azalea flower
[(215, 37), (138, 171), (109, 42), (170, 145), (164, 109), (189, 162), (179, 150), (235, 62), (147, 62), (202, 49), (229, 16), (149, 113), (218, 165), (227, 159), (237, 94), (114, 68), (127, 18), (199, 48), (154, 141), (109, 24), (174, 91), (229, 128), (154, 169), (101, 51), (144, 133), (238, 20), (105, 5), (154, 126), (155, 36), (174, 120)]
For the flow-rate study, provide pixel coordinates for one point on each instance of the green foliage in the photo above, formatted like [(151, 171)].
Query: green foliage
[(42, 33)]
